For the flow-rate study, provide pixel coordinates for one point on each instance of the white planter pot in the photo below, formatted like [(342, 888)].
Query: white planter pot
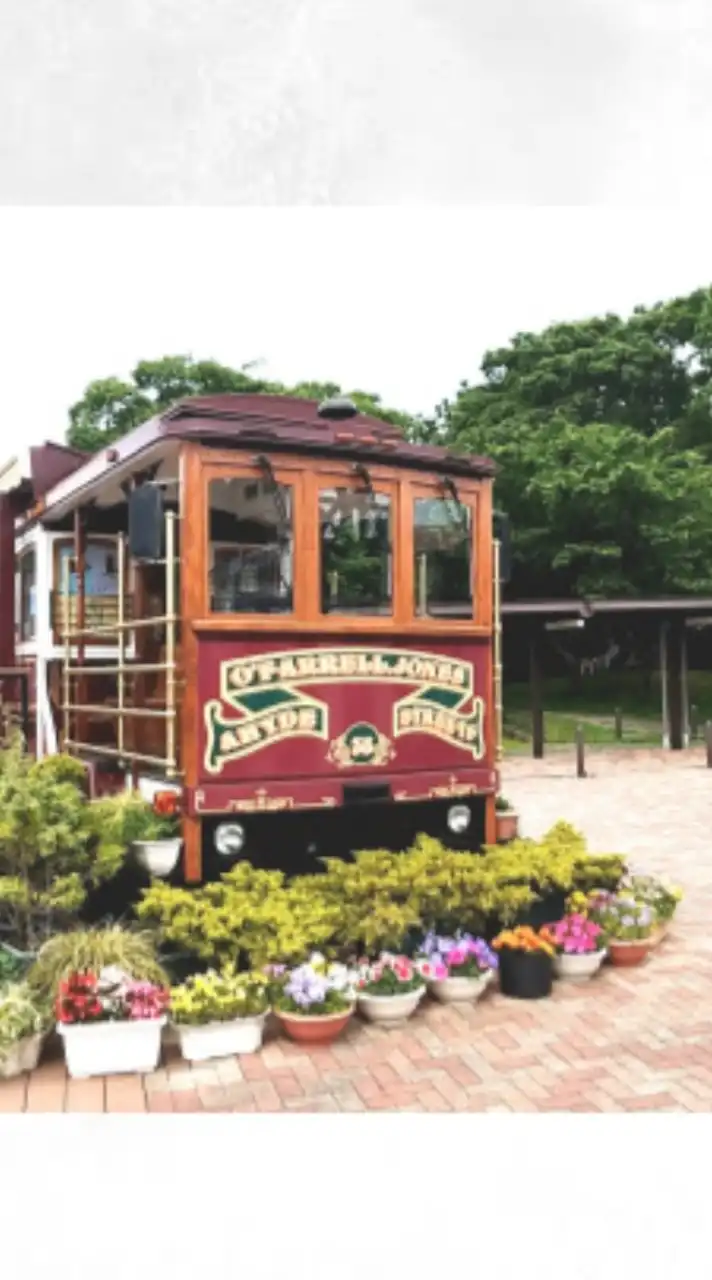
[(578, 968), (221, 1039), (456, 990), (22, 1057), (389, 1011), (112, 1048), (158, 857)]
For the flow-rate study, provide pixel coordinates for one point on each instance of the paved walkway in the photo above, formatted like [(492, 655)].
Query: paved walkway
[(631, 1041)]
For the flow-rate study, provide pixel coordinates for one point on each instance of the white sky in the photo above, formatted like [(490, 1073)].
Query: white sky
[(399, 302)]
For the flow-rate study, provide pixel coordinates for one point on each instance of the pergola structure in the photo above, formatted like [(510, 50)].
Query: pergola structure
[(665, 619)]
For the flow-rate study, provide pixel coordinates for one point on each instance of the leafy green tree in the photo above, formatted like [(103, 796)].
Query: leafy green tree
[(649, 371), (601, 512), (602, 430), (111, 407)]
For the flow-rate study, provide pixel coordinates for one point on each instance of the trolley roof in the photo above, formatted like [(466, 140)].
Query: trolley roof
[(271, 423)]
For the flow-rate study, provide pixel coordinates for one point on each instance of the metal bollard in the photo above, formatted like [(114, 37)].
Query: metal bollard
[(708, 741), (619, 724), (580, 752), (694, 722)]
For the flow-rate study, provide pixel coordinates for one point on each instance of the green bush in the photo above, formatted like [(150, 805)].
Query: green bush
[(375, 902), (248, 916), (53, 849), (20, 1016)]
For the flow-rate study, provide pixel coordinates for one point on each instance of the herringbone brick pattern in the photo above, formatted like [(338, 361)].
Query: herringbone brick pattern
[(638, 1040)]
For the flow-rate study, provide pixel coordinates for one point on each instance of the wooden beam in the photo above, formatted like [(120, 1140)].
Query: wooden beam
[(663, 642), (193, 605), (536, 692), (80, 565), (675, 690)]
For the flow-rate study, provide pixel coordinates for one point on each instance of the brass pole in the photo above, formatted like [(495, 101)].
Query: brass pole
[(497, 650), (170, 643), (121, 641), (66, 678)]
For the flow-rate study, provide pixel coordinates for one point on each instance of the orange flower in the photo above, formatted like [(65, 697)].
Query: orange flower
[(165, 804)]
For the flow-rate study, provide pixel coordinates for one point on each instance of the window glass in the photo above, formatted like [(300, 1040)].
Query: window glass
[(251, 546), (28, 595), (356, 552), (442, 540)]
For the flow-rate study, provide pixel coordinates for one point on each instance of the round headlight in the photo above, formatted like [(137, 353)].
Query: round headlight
[(229, 838), (458, 818)]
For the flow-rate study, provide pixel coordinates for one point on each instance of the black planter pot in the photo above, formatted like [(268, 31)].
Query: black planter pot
[(525, 975)]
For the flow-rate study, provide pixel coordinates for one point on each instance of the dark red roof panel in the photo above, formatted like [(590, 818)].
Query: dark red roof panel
[(284, 422)]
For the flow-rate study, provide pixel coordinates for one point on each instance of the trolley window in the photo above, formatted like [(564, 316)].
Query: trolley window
[(27, 576), (443, 568), (355, 536), (251, 567)]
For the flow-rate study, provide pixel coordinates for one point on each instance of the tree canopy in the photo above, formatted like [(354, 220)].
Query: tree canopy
[(602, 430), (111, 407)]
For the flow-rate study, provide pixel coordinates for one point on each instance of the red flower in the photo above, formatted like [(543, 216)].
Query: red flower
[(165, 804)]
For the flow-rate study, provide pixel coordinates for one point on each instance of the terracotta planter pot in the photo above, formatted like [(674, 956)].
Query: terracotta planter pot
[(313, 1030), (507, 826), (630, 953)]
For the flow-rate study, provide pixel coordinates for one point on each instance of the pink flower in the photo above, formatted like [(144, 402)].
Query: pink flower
[(456, 957)]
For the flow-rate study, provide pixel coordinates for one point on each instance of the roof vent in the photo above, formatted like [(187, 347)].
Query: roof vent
[(337, 409)]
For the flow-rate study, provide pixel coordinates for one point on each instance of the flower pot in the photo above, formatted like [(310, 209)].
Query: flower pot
[(630, 953), (111, 1048), (454, 990), (158, 857), (525, 975), (23, 1056), (314, 1029), (391, 1010), (221, 1039), (507, 825), (577, 968)]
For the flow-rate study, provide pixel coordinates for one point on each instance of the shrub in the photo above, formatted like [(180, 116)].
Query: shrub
[(64, 768), (375, 903), (90, 951), (53, 848), (20, 1016), (247, 916)]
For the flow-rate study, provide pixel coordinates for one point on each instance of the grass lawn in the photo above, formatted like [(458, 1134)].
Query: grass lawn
[(594, 704)]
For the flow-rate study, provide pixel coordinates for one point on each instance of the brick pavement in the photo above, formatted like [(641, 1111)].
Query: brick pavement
[(638, 1040)]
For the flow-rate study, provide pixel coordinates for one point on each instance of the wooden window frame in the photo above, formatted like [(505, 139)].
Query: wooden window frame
[(478, 497), (307, 476), (341, 476), (32, 636), (67, 540), (239, 467)]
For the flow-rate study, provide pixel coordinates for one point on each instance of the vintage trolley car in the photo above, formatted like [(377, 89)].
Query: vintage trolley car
[(285, 611)]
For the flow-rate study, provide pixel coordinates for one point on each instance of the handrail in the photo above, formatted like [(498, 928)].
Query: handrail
[(123, 669)]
